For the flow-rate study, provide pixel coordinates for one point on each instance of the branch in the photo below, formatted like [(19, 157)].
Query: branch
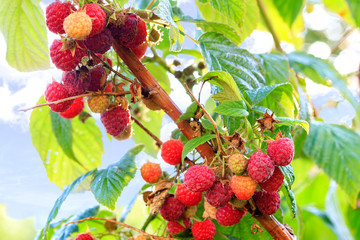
[(157, 140)]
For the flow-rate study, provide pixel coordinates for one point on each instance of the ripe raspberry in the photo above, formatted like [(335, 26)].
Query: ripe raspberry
[(99, 43), (219, 194), (187, 197), (172, 209), (64, 59), (140, 50), (199, 178), (274, 183), (281, 151), (260, 167), (140, 36), (175, 227), (228, 215), (237, 163), (98, 104), (243, 186), (151, 172), (78, 25), (115, 120), (98, 17), (96, 79), (56, 12), (73, 83), (75, 109), (187, 222), (124, 28), (267, 202), (171, 151), (204, 230), (84, 236), (109, 87), (54, 92)]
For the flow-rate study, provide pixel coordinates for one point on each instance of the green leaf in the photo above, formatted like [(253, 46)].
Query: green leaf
[(107, 184), (288, 9), (55, 210), (251, 18), (292, 122), (160, 74), (290, 198), (189, 113), (23, 26), (195, 142), (223, 55), (354, 6), (232, 108), (276, 68), (86, 144), (289, 174), (336, 150)]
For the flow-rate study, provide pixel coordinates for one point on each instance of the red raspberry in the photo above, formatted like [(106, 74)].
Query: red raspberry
[(186, 196), (267, 202), (124, 29), (151, 172), (187, 222), (140, 50), (109, 87), (237, 163), (99, 43), (281, 151), (96, 79), (63, 59), (219, 194), (260, 167), (54, 92), (204, 230), (171, 151), (243, 187), (228, 215), (172, 209), (175, 227), (84, 236), (140, 36), (75, 109), (73, 83), (115, 120), (274, 183), (199, 178), (98, 17), (56, 12)]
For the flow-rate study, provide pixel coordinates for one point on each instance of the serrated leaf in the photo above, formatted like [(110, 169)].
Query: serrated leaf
[(251, 18), (288, 9), (107, 184), (195, 142), (276, 68), (336, 150), (290, 198), (289, 174), (232, 109), (23, 26), (189, 113), (292, 122), (354, 6)]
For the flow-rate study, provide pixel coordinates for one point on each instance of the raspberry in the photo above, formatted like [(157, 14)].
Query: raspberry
[(98, 104), (124, 28), (84, 236), (237, 163), (140, 36), (204, 230), (140, 237), (96, 79), (98, 17), (260, 167), (115, 120), (267, 202), (172, 209), (175, 227), (75, 109), (274, 183), (73, 83), (54, 92), (151, 172), (140, 50), (243, 186), (281, 151), (99, 43), (187, 197), (126, 134), (64, 59), (199, 178), (187, 222), (78, 25), (56, 12), (109, 87), (228, 215), (171, 151), (219, 194)]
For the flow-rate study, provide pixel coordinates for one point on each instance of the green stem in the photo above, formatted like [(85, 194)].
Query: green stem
[(147, 222)]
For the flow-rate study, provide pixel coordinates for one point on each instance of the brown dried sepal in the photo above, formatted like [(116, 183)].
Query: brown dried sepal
[(150, 103), (255, 228), (135, 92), (221, 173), (196, 127), (267, 122), (146, 195), (238, 203), (190, 212), (278, 136), (209, 210), (236, 141), (157, 198)]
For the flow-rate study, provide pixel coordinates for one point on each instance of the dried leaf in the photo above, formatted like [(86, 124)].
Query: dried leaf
[(157, 198), (267, 122), (209, 210), (196, 127), (236, 141), (135, 91)]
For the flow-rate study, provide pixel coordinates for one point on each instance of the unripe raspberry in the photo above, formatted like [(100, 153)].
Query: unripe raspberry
[(228, 215), (140, 237), (98, 104), (140, 50), (219, 195), (115, 120), (243, 186), (78, 25), (56, 12), (204, 230), (98, 17), (64, 59), (75, 109), (172, 209), (281, 151), (260, 167), (237, 163), (151, 172), (267, 202), (199, 178), (171, 151), (54, 92), (274, 183), (187, 197), (73, 83), (84, 236), (99, 43)]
